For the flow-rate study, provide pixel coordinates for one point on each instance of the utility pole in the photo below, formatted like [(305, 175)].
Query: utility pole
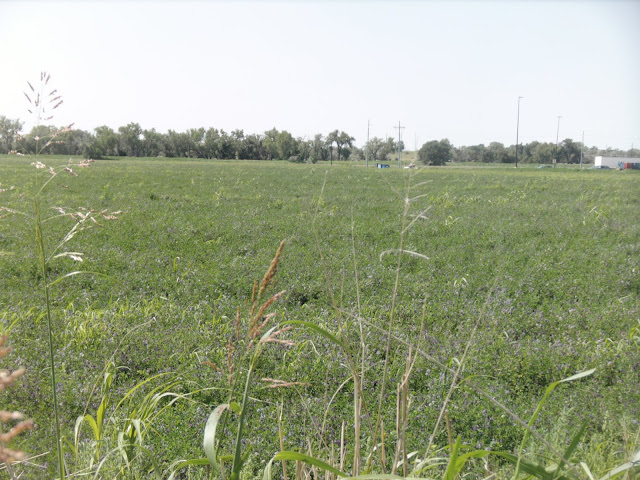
[(518, 130), (367, 150), (581, 150), (399, 127), (557, 136)]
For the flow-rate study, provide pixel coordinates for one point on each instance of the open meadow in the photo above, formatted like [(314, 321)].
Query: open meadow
[(493, 282)]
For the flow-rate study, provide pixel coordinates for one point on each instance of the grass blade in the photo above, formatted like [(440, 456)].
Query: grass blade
[(616, 472), (209, 441), (296, 456), (319, 330), (571, 448)]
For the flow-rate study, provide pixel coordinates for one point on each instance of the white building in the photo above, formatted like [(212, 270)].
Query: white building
[(614, 162)]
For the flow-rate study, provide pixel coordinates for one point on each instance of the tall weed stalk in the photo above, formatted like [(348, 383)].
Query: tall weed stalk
[(258, 332)]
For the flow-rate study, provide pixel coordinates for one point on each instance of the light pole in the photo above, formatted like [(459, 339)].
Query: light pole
[(582, 150), (367, 151), (557, 136), (517, 130), (399, 127)]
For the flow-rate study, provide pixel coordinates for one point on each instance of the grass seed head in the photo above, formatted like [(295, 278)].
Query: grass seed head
[(8, 455), (271, 272), (275, 383)]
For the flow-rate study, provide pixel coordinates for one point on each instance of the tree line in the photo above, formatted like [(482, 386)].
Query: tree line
[(439, 152), (134, 141)]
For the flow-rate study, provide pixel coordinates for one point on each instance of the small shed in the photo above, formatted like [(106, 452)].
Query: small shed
[(615, 162)]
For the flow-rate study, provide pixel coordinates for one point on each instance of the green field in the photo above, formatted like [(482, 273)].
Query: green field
[(536, 271)]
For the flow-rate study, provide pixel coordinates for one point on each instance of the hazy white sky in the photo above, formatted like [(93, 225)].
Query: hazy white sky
[(444, 69)]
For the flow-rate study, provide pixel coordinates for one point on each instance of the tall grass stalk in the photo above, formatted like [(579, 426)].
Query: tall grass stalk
[(359, 401), (256, 337), (52, 364), (45, 100), (41, 104)]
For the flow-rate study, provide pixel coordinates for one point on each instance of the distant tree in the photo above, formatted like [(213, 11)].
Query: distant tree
[(356, 153), (210, 148), (319, 150), (106, 142), (269, 144), (390, 147), (195, 142), (633, 153), (130, 140), (36, 138), (344, 140), (252, 148), (473, 153), (377, 149), (570, 151), (237, 140), (285, 145), (528, 152), (176, 144), (329, 141), (544, 153), (435, 153), (9, 133), (227, 147), (497, 153), (305, 149), (153, 143), (341, 139), (75, 142)]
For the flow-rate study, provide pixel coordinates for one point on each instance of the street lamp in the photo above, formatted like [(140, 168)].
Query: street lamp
[(557, 135), (581, 149), (517, 130)]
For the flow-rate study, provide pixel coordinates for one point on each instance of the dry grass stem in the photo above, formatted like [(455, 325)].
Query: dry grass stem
[(275, 383), (7, 455), (210, 364), (7, 377), (230, 364), (272, 337), (10, 416)]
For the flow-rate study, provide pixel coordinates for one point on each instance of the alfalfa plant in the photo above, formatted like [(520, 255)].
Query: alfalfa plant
[(400, 462), (45, 100)]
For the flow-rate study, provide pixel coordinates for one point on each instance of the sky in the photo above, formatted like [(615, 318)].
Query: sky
[(451, 69)]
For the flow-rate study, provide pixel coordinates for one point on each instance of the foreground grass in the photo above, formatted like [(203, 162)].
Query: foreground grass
[(550, 257)]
